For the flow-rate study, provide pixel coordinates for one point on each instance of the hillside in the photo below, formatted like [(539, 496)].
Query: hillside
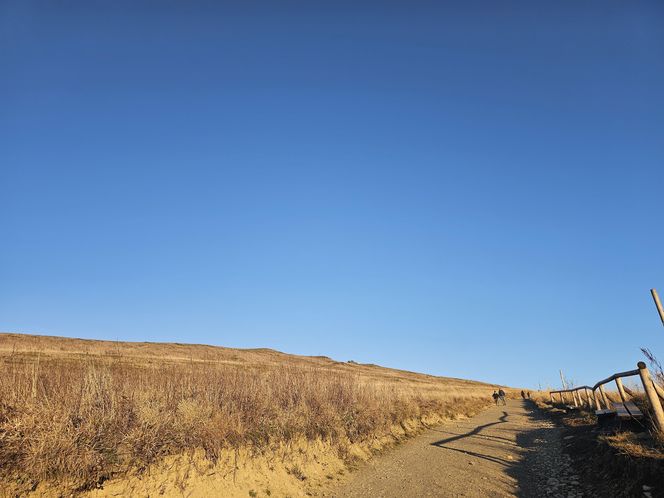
[(26, 347), (88, 416)]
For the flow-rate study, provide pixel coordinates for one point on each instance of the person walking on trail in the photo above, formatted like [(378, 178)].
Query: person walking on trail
[(495, 397), (501, 395)]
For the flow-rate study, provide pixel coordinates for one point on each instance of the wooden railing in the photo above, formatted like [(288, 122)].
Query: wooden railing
[(596, 395)]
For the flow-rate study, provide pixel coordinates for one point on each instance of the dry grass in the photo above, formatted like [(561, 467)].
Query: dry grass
[(635, 445), (81, 412)]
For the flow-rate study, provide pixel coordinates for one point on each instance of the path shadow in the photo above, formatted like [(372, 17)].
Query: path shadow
[(492, 437), (476, 432), (531, 471), (526, 470)]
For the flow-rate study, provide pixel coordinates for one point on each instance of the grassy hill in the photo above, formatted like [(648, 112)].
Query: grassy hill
[(80, 415)]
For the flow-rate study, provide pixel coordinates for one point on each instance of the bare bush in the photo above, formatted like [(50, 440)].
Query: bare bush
[(655, 366)]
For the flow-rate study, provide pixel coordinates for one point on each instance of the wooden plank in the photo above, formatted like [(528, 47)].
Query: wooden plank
[(633, 409), (601, 413), (621, 412)]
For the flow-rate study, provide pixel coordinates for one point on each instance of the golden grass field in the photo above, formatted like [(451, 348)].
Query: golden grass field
[(103, 418)]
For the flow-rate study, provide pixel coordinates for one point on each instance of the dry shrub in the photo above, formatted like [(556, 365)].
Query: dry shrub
[(84, 420), (655, 366)]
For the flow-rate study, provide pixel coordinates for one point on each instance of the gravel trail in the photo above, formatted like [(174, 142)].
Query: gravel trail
[(504, 451)]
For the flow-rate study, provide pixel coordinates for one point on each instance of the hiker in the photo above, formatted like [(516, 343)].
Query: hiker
[(501, 395), (495, 397), (523, 394)]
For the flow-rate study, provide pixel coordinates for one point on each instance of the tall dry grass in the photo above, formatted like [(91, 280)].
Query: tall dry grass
[(656, 369), (84, 419)]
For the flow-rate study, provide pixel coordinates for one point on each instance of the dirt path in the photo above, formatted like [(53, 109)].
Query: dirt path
[(504, 451)]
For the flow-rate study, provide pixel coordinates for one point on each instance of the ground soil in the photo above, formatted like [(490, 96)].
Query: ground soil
[(512, 450)]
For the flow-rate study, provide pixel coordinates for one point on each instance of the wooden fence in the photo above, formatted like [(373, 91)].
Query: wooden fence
[(596, 398)]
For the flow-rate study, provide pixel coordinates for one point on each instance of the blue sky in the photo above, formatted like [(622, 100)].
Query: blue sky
[(459, 188)]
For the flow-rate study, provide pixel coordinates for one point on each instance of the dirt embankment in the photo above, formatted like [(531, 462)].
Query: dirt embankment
[(298, 468)]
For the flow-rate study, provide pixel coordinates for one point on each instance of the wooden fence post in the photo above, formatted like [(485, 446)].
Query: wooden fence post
[(621, 389), (605, 399), (596, 398), (551, 395), (575, 395), (658, 304), (659, 390), (658, 413)]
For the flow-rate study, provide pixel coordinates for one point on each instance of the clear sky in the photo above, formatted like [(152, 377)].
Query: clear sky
[(471, 189)]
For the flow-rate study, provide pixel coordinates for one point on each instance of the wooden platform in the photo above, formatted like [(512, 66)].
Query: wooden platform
[(620, 411), (633, 409)]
